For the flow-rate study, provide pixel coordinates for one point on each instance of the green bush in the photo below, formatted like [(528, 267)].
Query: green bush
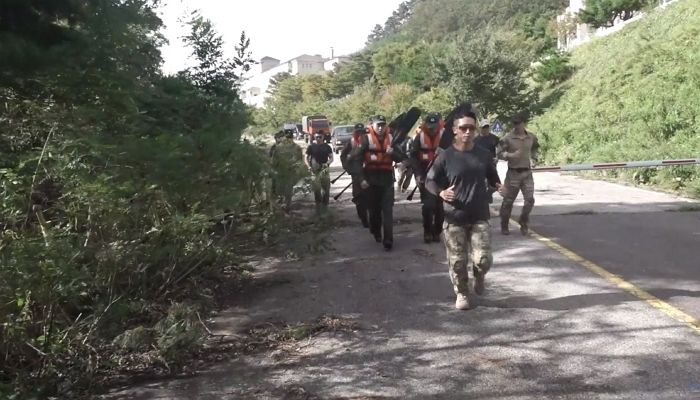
[(553, 68), (111, 176)]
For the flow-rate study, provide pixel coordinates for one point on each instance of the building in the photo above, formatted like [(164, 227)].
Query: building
[(573, 34), (254, 90), (330, 64)]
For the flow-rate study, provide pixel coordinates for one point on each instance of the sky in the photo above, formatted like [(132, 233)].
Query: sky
[(281, 29)]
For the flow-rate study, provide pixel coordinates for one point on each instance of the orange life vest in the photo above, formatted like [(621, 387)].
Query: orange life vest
[(376, 158), (428, 145)]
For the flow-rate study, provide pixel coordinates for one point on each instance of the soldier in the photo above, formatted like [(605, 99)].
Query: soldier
[(270, 179), (459, 176), (518, 147), (355, 169), (288, 167), (422, 152), (488, 141), (379, 154), (405, 167), (279, 135), (318, 158)]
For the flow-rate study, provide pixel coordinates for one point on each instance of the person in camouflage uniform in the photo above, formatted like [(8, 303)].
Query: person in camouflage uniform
[(269, 180), (288, 167), (459, 176), (518, 148)]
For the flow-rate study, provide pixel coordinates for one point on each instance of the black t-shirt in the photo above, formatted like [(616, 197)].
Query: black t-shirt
[(468, 171), (488, 142), (319, 152)]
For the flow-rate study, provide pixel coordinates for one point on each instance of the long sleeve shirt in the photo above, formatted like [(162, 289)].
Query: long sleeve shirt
[(468, 171), (518, 150)]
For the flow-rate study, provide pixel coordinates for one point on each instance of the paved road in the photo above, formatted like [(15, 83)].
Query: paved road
[(547, 327)]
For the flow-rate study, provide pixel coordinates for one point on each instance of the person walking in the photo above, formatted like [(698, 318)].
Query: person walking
[(518, 147), (458, 176)]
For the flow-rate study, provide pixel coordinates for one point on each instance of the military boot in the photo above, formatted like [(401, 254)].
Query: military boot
[(436, 236), (388, 244), (504, 227), (524, 228), (479, 282)]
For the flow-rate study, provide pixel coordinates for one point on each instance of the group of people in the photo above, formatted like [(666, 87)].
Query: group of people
[(287, 159), (455, 171)]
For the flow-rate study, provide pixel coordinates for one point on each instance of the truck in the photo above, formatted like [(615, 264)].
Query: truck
[(312, 124)]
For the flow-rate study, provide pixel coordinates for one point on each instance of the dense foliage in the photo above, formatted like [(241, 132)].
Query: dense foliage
[(110, 174)]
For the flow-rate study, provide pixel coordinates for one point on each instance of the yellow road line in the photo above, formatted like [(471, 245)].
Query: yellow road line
[(650, 299)]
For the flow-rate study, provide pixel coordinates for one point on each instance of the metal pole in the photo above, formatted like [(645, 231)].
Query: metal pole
[(628, 164)]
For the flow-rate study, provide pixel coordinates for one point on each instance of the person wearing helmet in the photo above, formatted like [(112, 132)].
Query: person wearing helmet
[(354, 168), (319, 157), (422, 153), (379, 153)]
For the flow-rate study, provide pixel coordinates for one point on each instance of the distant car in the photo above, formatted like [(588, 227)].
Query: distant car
[(340, 136), (300, 132)]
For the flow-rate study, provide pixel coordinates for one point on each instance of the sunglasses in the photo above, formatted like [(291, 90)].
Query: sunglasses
[(465, 128)]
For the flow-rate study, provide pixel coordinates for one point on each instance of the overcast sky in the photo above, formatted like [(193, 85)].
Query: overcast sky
[(282, 29)]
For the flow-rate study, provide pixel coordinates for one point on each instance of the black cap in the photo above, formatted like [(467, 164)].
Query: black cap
[(359, 127), (378, 118), (432, 118)]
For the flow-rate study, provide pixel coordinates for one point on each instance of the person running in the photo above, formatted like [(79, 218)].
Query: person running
[(458, 176)]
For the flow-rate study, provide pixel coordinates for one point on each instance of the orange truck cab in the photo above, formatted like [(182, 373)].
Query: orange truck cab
[(312, 124)]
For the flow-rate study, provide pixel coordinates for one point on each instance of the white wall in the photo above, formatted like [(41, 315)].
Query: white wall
[(585, 33), (254, 90)]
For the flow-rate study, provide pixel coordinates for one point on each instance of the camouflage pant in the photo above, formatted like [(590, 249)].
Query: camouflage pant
[(322, 186), (514, 183), (463, 242)]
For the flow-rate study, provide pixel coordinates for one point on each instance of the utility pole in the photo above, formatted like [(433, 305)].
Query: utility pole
[(332, 54)]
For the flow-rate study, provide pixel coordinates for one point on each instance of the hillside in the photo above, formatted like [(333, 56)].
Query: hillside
[(635, 95), (425, 54)]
